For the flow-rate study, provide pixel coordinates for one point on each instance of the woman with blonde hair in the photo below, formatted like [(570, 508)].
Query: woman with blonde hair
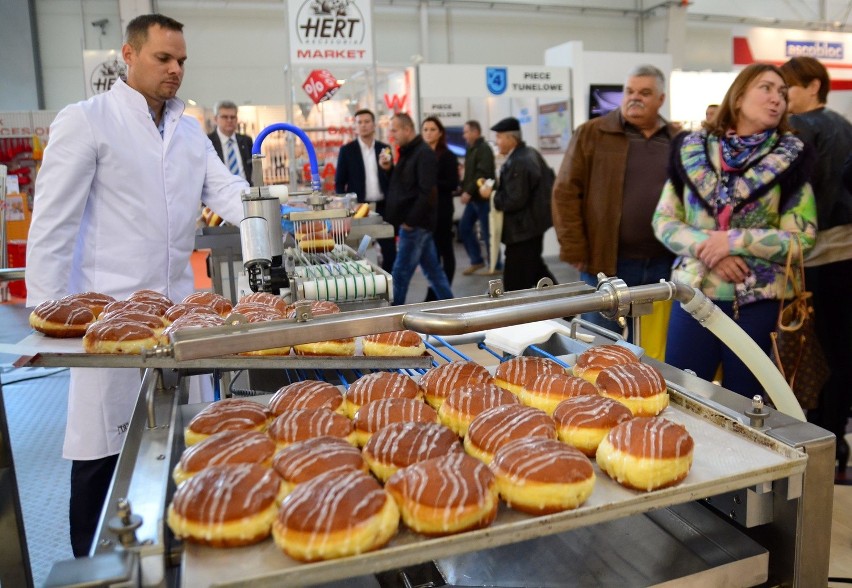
[(737, 199)]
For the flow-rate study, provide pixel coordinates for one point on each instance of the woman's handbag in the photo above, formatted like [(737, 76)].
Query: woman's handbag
[(795, 347)]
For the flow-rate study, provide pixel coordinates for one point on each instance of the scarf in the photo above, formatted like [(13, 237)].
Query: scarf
[(735, 153)]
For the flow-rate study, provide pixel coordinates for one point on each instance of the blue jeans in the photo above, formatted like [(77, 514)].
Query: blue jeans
[(417, 247), (691, 346), (476, 209), (634, 272)]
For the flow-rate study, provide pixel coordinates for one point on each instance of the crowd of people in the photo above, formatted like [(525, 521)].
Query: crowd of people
[(718, 209)]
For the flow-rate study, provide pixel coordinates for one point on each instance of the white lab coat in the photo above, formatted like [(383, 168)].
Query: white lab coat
[(115, 210)]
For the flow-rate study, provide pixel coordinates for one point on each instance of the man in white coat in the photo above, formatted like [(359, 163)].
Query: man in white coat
[(115, 207)]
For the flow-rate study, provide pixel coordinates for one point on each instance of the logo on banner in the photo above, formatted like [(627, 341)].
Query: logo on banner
[(326, 21), (106, 73), (815, 49), (496, 79)]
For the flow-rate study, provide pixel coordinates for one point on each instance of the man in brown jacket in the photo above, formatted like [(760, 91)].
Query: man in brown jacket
[(608, 186)]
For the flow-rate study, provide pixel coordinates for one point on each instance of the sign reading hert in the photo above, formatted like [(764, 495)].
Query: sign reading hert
[(335, 32)]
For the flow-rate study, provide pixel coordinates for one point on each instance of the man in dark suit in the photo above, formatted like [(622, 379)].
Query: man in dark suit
[(226, 134), (358, 171)]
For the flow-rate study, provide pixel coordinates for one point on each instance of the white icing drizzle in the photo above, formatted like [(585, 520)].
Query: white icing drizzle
[(441, 380), (380, 413), (319, 454), (542, 459), (304, 423), (591, 412), (218, 488), (518, 369), (76, 313), (632, 380), (381, 385), (499, 425), (605, 355), (402, 444), (306, 394), (227, 447), (473, 399), (657, 438), (560, 384), (228, 415)]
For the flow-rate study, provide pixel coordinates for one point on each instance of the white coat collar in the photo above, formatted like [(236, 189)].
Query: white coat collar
[(174, 106)]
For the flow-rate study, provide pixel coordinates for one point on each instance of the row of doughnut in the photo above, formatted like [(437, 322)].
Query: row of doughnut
[(300, 468)]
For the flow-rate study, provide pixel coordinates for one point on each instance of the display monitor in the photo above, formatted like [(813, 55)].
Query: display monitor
[(604, 98)]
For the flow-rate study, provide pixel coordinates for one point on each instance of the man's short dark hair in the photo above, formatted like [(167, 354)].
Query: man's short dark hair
[(405, 119), (474, 124), (224, 104), (137, 29), (365, 111)]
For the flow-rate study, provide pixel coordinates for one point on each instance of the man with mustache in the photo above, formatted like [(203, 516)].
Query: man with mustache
[(115, 207), (608, 186)]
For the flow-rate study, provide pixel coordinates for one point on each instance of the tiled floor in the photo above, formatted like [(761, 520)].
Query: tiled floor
[(36, 413)]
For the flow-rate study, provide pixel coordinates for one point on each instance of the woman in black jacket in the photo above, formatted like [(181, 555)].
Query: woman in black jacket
[(434, 135)]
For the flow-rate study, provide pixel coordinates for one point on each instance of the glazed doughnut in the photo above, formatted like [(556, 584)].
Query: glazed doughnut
[(152, 297), (135, 306), (225, 448), (438, 382), (317, 245), (94, 300), (175, 311), (337, 347), (380, 413), (230, 414), (306, 394), (299, 462), (638, 386), (495, 427), (339, 513), (62, 319), (119, 336), (225, 505), (244, 307), (310, 230), (378, 385), (590, 363), (266, 299), (545, 391), (318, 307), (394, 344), (445, 495), (646, 453), (401, 444), (215, 301), (520, 371), (195, 320), (540, 476), (307, 423), (584, 421), (262, 315), (152, 321), (463, 404)]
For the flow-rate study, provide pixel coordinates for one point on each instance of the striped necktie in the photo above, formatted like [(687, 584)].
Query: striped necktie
[(232, 158)]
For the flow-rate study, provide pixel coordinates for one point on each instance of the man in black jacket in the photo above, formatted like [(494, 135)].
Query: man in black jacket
[(478, 166), (358, 171), (412, 205), (523, 194), (237, 148)]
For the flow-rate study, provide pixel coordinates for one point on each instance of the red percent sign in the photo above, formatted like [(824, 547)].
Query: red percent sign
[(320, 85)]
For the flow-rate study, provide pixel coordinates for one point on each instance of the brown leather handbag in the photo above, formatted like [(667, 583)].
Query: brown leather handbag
[(795, 347)]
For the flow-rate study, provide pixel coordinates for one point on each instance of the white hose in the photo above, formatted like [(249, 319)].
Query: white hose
[(732, 335)]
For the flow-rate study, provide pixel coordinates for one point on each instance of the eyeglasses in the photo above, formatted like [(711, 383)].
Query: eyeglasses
[(228, 116)]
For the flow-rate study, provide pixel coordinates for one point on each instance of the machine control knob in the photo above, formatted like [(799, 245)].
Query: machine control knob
[(125, 523)]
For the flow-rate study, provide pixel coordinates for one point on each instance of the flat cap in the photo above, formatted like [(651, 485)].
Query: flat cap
[(507, 124)]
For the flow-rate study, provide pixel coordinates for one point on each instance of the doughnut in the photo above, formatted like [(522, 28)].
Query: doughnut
[(230, 414), (339, 513), (306, 423), (438, 382), (380, 413), (135, 306), (119, 336), (94, 300), (541, 476), (193, 320), (176, 311), (495, 427), (377, 385), (62, 319), (317, 245), (318, 307), (445, 495), (401, 444), (517, 372), (160, 301), (584, 421), (638, 386), (299, 462), (309, 229), (227, 447), (266, 299), (590, 363), (545, 391), (262, 315), (394, 344), (646, 453), (215, 301), (306, 394), (463, 404), (152, 321), (225, 505), (337, 347)]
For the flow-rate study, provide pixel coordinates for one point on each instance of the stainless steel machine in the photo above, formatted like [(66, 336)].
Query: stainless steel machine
[(754, 510)]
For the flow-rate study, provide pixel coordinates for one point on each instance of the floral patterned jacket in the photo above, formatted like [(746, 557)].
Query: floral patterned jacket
[(771, 199)]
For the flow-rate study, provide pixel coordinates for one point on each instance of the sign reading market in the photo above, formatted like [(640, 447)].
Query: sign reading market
[(335, 32)]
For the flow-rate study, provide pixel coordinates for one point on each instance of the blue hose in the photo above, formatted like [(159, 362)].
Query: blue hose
[(316, 180)]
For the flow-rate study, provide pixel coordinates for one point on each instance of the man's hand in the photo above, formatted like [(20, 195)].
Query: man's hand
[(715, 248), (732, 269), (465, 198)]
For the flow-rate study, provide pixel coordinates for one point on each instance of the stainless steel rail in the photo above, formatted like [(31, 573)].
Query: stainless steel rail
[(8, 274)]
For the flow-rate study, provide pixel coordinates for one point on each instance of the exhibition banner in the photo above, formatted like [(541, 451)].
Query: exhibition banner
[(330, 32), (101, 69), (483, 81)]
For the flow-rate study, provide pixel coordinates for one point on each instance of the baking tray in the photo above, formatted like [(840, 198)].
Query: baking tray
[(728, 456)]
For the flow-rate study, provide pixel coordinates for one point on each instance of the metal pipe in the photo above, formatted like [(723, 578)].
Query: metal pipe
[(11, 273)]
